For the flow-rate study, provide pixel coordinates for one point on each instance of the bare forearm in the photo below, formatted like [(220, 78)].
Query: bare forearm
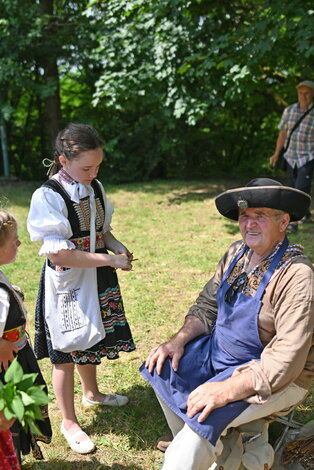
[(174, 348), (239, 387), (280, 142), (85, 259), (212, 395), (114, 245), (192, 328)]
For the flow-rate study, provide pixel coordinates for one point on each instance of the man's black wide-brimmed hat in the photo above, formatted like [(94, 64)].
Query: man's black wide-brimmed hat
[(264, 192)]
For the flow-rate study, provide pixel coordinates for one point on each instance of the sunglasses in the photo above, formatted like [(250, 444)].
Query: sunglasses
[(237, 286)]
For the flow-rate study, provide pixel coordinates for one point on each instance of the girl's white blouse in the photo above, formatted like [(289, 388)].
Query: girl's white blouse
[(48, 216), (4, 304)]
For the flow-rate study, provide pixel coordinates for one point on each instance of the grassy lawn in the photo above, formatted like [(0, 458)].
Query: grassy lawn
[(178, 235)]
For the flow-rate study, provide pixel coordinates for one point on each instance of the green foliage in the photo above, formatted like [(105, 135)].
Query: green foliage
[(177, 88), (173, 227), (204, 75), (20, 398)]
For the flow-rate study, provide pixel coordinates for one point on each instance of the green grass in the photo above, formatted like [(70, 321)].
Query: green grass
[(178, 235)]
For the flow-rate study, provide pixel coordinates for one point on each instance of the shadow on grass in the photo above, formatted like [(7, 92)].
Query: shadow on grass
[(232, 228), (93, 464), (142, 420), (196, 194), (18, 193)]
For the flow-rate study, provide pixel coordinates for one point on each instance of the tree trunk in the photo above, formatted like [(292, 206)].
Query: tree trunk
[(51, 76)]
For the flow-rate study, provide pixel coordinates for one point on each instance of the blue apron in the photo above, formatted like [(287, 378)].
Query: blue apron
[(212, 358)]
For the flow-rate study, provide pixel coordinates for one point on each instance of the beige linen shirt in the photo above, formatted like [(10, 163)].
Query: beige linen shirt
[(285, 325)]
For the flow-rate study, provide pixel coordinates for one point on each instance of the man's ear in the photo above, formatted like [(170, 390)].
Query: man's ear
[(284, 222)]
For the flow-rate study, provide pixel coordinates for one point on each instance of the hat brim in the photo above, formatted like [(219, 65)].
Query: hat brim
[(290, 200)]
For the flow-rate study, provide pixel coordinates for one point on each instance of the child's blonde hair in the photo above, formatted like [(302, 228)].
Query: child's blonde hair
[(7, 222)]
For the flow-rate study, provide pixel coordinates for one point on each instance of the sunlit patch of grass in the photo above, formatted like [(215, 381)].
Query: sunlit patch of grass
[(178, 235)]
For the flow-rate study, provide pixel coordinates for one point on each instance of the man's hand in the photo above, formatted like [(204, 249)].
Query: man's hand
[(207, 397), (172, 348), (273, 160), (211, 395)]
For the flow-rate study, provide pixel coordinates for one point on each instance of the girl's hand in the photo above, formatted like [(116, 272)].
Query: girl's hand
[(120, 249), (7, 350), (116, 246), (121, 261), (4, 423)]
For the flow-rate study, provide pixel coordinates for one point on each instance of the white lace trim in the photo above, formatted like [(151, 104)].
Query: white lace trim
[(54, 245)]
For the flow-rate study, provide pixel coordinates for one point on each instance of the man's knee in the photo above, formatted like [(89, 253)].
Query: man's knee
[(190, 451)]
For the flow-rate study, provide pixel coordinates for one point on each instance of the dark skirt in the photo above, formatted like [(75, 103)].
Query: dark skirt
[(118, 334), (24, 442)]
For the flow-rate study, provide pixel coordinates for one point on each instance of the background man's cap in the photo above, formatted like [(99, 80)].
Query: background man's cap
[(308, 83), (264, 192)]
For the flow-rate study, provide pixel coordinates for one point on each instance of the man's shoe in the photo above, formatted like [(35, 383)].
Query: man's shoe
[(109, 400), (164, 442)]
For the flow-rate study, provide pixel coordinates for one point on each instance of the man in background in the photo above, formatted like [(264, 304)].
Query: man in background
[(296, 138)]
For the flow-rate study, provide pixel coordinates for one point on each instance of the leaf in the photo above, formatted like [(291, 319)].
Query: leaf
[(33, 427), (39, 395), (8, 392), (18, 407), (8, 414), (14, 373), (27, 400), (34, 413), (27, 381)]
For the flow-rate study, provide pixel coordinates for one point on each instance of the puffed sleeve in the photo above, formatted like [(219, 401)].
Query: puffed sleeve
[(47, 222), (4, 309)]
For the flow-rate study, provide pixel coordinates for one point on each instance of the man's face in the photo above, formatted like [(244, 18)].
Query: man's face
[(262, 228), (305, 96)]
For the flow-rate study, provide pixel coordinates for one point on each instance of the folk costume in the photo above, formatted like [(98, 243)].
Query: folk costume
[(13, 329), (251, 324), (8, 457), (60, 217)]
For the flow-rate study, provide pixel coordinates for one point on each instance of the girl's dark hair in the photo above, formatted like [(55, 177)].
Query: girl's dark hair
[(73, 140)]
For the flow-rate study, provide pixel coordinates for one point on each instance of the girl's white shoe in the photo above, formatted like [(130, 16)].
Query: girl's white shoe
[(74, 440), (109, 400)]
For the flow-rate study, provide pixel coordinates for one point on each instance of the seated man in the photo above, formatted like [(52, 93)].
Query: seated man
[(245, 350)]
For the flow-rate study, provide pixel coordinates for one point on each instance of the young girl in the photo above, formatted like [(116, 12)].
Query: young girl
[(13, 339), (60, 216)]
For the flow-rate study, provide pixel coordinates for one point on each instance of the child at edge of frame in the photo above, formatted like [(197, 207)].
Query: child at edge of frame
[(14, 343)]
